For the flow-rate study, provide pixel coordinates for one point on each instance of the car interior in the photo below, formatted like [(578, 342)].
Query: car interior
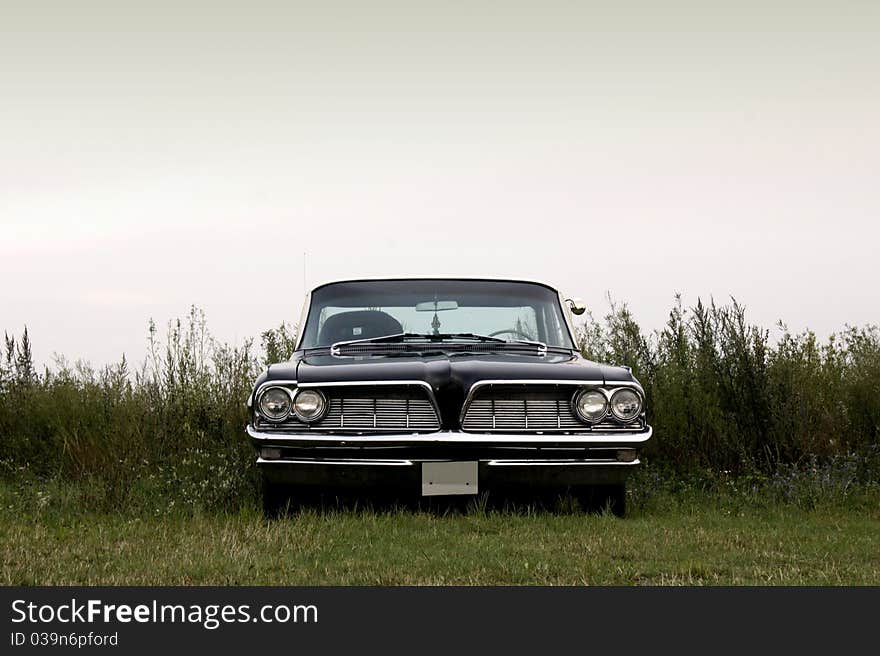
[(358, 324)]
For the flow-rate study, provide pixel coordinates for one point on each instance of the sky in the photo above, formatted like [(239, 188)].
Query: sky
[(232, 154)]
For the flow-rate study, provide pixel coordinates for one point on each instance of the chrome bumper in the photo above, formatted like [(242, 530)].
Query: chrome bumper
[(396, 459), (360, 462), (450, 438)]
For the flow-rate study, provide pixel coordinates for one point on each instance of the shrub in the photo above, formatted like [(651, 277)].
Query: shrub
[(722, 397), (175, 425)]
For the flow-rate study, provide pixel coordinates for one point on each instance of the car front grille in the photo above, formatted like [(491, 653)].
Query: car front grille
[(533, 409), (403, 408)]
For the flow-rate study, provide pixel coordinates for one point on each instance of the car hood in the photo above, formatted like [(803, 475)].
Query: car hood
[(439, 369), (449, 375)]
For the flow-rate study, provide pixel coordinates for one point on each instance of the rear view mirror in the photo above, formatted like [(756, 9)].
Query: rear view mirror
[(436, 306), (576, 305)]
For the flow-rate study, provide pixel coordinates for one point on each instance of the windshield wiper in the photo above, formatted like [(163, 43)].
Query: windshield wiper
[(403, 337), (479, 338), (541, 346)]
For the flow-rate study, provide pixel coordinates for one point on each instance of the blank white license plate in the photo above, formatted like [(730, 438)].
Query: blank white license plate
[(449, 478)]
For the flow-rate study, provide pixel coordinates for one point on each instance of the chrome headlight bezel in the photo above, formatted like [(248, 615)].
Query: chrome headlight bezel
[(576, 404), (265, 413), (322, 405), (632, 416)]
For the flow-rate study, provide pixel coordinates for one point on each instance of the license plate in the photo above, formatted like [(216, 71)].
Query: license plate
[(449, 478)]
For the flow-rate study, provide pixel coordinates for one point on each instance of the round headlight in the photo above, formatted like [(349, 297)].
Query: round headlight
[(626, 404), (591, 406), (309, 405), (275, 403)]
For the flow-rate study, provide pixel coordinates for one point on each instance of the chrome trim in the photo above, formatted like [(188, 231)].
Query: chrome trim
[(541, 347), (346, 383), (454, 437), (362, 383), (600, 385), (380, 463), (452, 346), (561, 463), (483, 383), (614, 385), (272, 383), (334, 347), (490, 463), (367, 383)]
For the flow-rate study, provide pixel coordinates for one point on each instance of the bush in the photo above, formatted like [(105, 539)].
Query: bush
[(173, 427), (721, 395), (796, 414)]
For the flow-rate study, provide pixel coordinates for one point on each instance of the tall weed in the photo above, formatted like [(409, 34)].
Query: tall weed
[(723, 397)]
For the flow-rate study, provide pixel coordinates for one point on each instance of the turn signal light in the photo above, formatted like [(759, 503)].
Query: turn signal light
[(268, 453), (626, 455)]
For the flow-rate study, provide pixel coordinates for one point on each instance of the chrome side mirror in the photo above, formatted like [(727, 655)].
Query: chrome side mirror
[(576, 305)]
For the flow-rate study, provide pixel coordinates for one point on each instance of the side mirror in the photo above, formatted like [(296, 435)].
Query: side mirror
[(576, 305)]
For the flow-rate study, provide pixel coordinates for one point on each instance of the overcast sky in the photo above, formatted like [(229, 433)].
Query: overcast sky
[(185, 153)]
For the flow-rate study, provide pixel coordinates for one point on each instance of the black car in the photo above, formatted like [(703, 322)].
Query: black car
[(444, 386)]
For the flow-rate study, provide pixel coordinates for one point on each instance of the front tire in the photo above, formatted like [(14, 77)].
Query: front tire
[(601, 497), (615, 499), (275, 499)]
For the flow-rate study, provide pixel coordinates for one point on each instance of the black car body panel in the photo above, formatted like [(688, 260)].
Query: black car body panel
[(454, 376), (451, 376)]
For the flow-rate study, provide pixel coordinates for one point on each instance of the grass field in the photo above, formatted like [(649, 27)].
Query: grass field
[(764, 469), (688, 539)]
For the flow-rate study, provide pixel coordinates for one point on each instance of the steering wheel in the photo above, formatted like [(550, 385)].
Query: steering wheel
[(512, 331)]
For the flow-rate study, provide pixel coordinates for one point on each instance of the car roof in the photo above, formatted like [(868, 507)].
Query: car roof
[(479, 278)]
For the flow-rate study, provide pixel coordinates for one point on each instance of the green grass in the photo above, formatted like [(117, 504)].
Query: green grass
[(764, 469), (693, 538)]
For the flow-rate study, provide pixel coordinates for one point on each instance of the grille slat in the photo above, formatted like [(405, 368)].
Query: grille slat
[(500, 408)]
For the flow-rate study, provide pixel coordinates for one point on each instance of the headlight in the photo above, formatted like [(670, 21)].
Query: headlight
[(275, 403), (591, 406), (626, 404), (309, 405)]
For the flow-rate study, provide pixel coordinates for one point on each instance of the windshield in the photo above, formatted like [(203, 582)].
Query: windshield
[(512, 311)]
